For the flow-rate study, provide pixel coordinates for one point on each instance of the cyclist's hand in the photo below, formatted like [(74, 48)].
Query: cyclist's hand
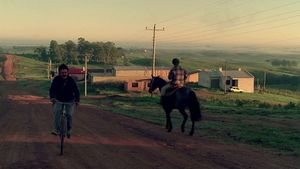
[(52, 100)]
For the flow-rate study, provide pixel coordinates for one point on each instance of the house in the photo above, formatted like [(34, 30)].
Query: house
[(125, 73), (237, 78), (137, 85), (224, 79), (135, 78), (209, 79)]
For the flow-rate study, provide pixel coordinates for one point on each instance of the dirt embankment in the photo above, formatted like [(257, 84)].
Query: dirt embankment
[(8, 68)]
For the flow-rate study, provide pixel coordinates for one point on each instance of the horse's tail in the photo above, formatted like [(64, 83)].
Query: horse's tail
[(194, 107)]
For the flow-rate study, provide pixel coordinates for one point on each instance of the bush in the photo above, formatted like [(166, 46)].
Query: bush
[(290, 105), (239, 103), (264, 105), (278, 106)]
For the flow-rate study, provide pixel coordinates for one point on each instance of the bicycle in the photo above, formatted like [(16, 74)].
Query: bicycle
[(63, 126), (62, 131)]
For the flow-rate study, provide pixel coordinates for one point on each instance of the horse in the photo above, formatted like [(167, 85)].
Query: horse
[(179, 98)]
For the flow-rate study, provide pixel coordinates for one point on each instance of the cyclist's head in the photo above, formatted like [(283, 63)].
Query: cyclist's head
[(63, 71), (175, 62)]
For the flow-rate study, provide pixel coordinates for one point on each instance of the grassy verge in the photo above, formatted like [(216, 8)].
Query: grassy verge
[(264, 127)]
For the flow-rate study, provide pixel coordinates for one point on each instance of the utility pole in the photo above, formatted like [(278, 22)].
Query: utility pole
[(225, 74), (265, 78), (85, 75), (153, 73), (49, 68)]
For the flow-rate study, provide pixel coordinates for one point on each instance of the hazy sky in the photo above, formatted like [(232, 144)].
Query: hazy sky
[(193, 22)]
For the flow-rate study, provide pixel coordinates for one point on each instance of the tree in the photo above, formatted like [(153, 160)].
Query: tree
[(54, 53), (1, 50), (61, 52), (71, 52), (97, 52), (112, 53), (84, 48), (42, 53)]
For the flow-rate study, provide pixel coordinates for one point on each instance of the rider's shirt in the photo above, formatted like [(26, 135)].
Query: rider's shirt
[(177, 75)]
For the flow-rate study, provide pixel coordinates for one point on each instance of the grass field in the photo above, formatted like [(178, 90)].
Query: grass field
[(268, 120), (257, 63), (213, 59), (266, 126)]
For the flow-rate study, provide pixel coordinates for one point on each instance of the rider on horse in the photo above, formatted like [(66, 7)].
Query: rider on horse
[(177, 77)]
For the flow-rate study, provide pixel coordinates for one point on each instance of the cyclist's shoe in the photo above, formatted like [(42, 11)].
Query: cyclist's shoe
[(69, 134), (55, 132)]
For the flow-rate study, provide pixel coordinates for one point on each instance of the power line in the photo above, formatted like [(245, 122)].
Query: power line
[(184, 14), (173, 44), (237, 27), (269, 28), (232, 19), (197, 26)]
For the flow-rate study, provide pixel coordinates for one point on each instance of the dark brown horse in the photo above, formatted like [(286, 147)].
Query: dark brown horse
[(180, 99)]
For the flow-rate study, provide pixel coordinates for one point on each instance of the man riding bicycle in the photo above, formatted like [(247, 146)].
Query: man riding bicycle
[(63, 90)]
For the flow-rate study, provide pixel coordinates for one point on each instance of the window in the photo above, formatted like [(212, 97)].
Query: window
[(100, 71), (235, 82), (108, 70), (135, 84)]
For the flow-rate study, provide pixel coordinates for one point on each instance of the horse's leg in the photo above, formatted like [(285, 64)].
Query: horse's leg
[(185, 117), (193, 128), (169, 122)]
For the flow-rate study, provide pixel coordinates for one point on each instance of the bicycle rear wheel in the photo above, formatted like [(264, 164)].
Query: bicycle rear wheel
[(62, 135)]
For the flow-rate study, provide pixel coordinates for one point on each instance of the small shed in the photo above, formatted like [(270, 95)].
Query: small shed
[(193, 77), (137, 85), (77, 73)]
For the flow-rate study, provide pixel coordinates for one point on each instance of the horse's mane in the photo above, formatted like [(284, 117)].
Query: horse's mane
[(160, 81)]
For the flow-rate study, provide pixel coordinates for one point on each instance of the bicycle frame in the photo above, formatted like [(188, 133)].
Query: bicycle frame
[(63, 126)]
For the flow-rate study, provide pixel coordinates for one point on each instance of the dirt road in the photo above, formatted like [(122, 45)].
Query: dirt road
[(7, 69), (108, 141)]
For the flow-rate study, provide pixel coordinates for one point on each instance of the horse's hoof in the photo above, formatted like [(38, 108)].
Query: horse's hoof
[(191, 133), (182, 130)]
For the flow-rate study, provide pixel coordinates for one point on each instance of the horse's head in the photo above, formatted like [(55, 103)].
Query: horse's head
[(153, 85), (156, 82)]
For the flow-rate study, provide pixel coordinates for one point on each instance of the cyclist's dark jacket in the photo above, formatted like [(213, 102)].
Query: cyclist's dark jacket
[(64, 90)]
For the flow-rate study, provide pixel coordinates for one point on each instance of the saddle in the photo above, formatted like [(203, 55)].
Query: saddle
[(171, 90), (180, 94)]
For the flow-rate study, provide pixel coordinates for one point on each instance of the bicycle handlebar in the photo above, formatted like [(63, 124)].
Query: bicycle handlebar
[(69, 103)]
